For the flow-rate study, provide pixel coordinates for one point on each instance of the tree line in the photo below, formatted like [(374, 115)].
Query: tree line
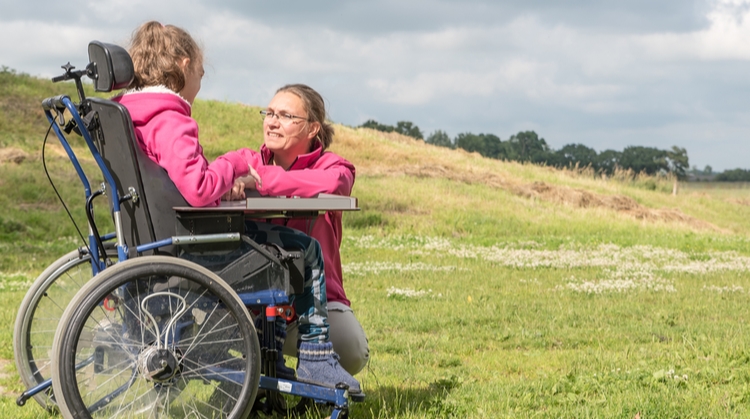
[(527, 146), (734, 175)]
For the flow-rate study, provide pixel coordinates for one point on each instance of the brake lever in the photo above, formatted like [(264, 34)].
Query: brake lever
[(70, 126), (60, 117)]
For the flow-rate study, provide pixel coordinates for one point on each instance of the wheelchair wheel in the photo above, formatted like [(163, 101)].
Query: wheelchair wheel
[(39, 315), (156, 337)]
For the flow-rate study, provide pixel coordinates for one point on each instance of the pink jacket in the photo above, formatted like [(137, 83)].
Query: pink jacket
[(311, 174), (169, 136)]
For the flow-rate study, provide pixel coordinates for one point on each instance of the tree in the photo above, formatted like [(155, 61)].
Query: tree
[(527, 146), (734, 175), (440, 138), (407, 128), (493, 146), (608, 161), (402, 127), (371, 123), (470, 142), (647, 160), (488, 145), (708, 170), (677, 161), (572, 154)]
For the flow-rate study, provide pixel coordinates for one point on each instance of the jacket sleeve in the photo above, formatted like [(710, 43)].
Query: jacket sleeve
[(174, 144), (335, 177)]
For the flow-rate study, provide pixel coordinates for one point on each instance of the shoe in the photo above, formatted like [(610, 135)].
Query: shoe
[(319, 364), (282, 371)]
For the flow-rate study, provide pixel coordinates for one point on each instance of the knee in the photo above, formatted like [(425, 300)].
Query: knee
[(354, 357), (348, 338), (313, 249)]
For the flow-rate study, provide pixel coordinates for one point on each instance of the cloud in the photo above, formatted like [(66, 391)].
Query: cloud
[(601, 72), (724, 39), (50, 44)]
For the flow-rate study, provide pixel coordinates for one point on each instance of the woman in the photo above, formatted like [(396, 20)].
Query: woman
[(293, 161), (168, 67)]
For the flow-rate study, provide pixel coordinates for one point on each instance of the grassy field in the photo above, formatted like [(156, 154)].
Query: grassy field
[(486, 288)]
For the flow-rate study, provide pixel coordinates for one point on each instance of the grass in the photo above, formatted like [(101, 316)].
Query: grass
[(486, 288), (489, 339)]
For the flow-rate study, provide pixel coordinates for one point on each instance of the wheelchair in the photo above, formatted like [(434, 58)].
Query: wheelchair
[(129, 325)]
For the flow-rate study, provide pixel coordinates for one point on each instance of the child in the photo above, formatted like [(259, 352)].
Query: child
[(168, 70)]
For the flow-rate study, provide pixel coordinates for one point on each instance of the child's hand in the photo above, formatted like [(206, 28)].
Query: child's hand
[(236, 193), (252, 180)]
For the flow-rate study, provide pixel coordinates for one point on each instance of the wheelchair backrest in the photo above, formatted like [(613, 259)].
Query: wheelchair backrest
[(147, 215)]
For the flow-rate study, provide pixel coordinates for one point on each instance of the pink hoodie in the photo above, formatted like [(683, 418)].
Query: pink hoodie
[(311, 174), (169, 136)]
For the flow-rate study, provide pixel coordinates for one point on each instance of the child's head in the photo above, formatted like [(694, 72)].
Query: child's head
[(166, 55)]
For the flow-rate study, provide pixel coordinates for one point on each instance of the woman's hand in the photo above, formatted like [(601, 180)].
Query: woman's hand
[(252, 180), (236, 193)]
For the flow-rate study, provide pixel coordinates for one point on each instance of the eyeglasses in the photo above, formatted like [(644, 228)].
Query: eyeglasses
[(284, 118)]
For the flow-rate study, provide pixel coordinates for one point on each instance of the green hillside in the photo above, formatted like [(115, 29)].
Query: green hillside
[(487, 288), (405, 187)]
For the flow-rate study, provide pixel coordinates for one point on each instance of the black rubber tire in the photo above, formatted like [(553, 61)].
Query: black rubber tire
[(39, 315), (212, 305)]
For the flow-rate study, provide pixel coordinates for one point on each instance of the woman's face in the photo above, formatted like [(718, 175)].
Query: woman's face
[(288, 133)]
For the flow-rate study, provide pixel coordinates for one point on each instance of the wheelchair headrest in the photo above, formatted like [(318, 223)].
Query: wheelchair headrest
[(112, 66)]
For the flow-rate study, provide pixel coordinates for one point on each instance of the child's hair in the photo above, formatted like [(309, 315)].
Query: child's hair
[(315, 107), (157, 50)]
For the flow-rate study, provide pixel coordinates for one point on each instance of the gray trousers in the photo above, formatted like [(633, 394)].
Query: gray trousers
[(346, 335)]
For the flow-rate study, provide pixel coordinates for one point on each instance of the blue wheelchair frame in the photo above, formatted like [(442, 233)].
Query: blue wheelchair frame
[(266, 300)]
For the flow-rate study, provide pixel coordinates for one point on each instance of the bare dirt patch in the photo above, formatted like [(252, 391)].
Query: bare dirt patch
[(391, 154), (13, 155), (548, 192), (624, 204), (742, 201)]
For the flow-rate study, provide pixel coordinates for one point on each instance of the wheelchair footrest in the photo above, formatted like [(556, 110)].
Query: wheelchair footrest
[(358, 398)]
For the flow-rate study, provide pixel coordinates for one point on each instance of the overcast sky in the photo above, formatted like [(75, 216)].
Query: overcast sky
[(604, 73)]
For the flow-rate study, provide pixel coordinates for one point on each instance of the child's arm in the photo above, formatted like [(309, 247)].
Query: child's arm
[(174, 145), (332, 175)]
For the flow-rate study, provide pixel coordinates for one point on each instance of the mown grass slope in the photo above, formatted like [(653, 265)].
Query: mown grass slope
[(487, 288)]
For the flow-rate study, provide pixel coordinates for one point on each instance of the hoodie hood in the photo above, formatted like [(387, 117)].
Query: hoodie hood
[(146, 103)]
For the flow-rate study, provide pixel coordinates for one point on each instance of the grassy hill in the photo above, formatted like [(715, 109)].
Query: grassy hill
[(405, 187), (487, 288)]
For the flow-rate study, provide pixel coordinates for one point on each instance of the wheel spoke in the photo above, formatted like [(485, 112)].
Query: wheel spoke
[(174, 344)]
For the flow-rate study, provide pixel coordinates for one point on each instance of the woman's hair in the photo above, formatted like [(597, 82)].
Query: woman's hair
[(157, 51), (315, 108)]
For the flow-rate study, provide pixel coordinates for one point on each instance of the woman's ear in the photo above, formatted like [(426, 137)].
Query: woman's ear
[(314, 130)]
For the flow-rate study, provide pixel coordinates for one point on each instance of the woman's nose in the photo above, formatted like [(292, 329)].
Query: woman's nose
[(272, 122)]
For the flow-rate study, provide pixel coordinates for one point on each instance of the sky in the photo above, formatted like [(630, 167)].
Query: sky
[(604, 73)]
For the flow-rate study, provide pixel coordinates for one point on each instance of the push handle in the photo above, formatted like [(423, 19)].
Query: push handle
[(75, 75), (54, 103)]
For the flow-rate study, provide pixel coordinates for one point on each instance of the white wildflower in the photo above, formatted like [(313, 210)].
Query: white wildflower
[(14, 281), (407, 292), (379, 267), (639, 267), (728, 289)]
